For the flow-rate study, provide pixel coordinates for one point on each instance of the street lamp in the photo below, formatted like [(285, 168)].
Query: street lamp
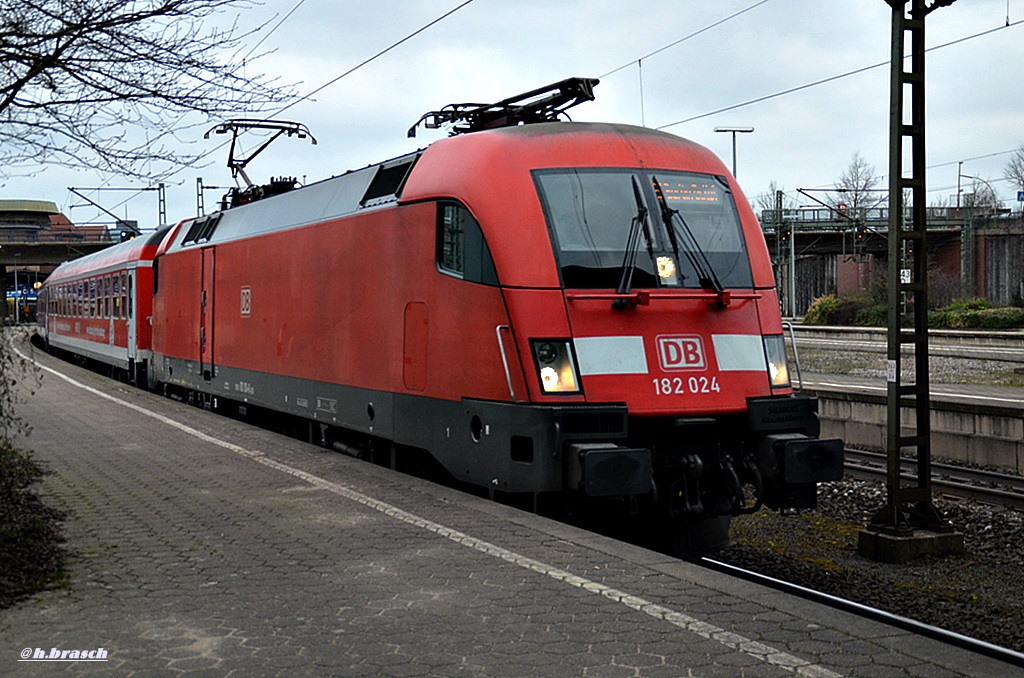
[(995, 196), (734, 131)]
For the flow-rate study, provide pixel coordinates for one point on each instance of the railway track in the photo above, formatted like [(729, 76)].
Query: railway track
[(979, 345), (838, 603), (959, 482)]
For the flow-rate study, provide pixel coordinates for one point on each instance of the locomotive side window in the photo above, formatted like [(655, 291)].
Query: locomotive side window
[(461, 249), (672, 219)]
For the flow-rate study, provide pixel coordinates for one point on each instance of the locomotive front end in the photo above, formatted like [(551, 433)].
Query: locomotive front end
[(673, 319), (643, 349)]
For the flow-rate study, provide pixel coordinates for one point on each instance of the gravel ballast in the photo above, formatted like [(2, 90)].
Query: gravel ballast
[(978, 594)]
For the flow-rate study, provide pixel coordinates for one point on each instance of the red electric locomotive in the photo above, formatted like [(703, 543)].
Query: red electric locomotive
[(99, 306), (545, 308)]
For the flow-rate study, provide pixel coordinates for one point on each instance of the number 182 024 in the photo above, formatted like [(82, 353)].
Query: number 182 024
[(681, 386)]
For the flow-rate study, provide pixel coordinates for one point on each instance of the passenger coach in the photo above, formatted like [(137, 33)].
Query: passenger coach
[(99, 306)]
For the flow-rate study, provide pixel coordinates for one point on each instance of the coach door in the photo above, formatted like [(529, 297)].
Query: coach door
[(124, 289), (206, 315)]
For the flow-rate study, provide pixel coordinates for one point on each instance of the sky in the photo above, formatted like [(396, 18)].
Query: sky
[(662, 63)]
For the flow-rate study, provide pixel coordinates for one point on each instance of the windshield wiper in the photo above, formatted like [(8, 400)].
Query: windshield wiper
[(637, 226), (693, 251)]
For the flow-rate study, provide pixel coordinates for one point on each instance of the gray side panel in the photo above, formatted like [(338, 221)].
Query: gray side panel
[(357, 409), (503, 446)]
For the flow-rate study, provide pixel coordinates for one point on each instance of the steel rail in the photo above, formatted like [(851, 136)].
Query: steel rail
[(949, 637), (957, 481)]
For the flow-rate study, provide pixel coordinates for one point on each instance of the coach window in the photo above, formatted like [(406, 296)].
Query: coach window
[(106, 296), (461, 249), (124, 297)]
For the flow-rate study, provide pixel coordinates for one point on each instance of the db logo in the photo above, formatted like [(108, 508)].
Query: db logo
[(681, 352), (246, 301)]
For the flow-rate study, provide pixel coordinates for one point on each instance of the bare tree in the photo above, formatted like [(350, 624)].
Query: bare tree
[(981, 196), (858, 185), (766, 201), (1014, 170), (107, 84)]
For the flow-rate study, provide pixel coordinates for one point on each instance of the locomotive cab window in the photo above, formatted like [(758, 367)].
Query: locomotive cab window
[(462, 251), (653, 228)]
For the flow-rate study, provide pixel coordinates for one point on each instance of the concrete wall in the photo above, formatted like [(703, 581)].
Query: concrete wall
[(983, 435), (999, 257)]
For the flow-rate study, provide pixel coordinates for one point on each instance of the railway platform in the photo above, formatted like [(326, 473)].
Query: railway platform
[(205, 547)]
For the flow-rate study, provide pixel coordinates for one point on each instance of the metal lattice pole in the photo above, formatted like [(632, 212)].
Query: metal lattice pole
[(908, 506)]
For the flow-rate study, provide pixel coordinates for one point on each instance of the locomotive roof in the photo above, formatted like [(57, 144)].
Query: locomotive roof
[(424, 174)]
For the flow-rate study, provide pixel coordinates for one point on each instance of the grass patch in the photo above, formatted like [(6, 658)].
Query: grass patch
[(32, 555)]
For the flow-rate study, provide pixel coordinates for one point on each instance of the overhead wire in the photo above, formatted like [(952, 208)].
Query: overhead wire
[(182, 117), (375, 56), (352, 70), (685, 38), (273, 30), (327, 84), (833, 78), (355, 68)]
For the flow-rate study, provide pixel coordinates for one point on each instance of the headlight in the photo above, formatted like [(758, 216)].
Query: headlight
[(555, 366), (775, 354)]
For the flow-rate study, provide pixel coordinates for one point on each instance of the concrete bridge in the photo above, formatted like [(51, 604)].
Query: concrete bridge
[(972, 252), (857, 230)]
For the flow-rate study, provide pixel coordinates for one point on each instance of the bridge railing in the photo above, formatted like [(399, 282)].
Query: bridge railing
[(46, 236), (875, 218)]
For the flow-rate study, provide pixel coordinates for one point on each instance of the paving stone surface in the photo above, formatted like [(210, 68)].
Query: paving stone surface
[(206, 547)]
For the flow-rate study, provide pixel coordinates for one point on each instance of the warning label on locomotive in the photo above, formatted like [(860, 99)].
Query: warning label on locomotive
[(776, 414)]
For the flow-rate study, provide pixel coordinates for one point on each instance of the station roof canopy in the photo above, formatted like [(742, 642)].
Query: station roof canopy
[(38, 206)]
